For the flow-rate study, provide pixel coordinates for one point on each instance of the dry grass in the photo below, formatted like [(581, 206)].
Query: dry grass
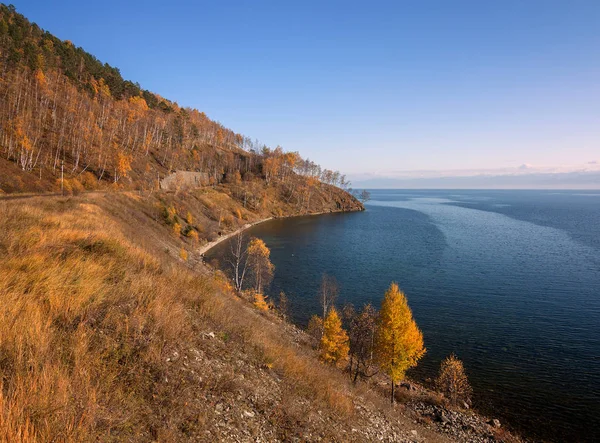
[(84, 316), (88, 316)]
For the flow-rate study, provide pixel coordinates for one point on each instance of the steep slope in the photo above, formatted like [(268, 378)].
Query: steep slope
[(66, 115), (104, 335)]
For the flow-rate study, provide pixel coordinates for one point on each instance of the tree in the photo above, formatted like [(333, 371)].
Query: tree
[(238, 259), (123, 166), (452, 381), (398, 342), (260, 264), (334, 342), (315, 328), (284, 305), (328, 292), (361, 332), (364, 196)]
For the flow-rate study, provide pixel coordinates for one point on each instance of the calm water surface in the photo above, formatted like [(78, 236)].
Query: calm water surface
[(508, 280)]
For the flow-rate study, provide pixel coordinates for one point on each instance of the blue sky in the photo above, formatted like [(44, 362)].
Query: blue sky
[(366, 87)]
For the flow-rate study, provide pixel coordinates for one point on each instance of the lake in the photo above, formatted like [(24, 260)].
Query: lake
[(507, 280)]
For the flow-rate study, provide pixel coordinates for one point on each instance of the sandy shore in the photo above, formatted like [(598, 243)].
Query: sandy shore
[(205, 248)]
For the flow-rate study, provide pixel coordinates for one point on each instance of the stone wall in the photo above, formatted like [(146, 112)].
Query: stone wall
[(184, 179)]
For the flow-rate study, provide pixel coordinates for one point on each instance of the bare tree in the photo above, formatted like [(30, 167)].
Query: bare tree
[(328, 292), (361, 332), (364, 196), (238, 259), (284, 305)]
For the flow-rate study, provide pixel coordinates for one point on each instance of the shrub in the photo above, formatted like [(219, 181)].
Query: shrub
[(89, 181), (76, 186), (260, 302)]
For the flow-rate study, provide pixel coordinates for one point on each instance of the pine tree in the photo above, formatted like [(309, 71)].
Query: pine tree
[(399, 342), (334, 342)]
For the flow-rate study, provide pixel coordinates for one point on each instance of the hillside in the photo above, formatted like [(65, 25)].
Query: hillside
[(65, 114), (107, 333)]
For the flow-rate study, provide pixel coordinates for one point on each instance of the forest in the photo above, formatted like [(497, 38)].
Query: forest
[(65, 114)]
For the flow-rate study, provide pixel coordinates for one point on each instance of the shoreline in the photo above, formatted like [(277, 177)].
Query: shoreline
[(208, 246)]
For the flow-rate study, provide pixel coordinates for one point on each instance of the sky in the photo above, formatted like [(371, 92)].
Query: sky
[(372, 88)]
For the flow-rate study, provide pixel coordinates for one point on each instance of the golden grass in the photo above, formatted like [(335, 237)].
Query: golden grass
[(87, 318)]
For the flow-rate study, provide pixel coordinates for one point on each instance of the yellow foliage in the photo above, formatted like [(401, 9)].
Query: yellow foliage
[(259, 263), (399, 342), (258, 248), (193, 234), (40, 78), (171, 211), (334, 342), (123, 164), (183, 254), (189, 218), (260, 302), (89, 181), (177, 229)]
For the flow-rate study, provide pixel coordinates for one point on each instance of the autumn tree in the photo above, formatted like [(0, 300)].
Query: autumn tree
[(362, 327), (123, 166), (398, 341), (452, 381), (259, 263), (334, 342)]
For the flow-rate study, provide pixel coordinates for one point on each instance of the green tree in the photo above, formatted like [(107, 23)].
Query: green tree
[(398, 342)]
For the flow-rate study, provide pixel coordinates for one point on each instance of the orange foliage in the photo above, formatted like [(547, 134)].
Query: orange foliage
[(334, 342)]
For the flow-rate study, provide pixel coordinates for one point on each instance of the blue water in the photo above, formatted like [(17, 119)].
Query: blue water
[(507, 280)]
